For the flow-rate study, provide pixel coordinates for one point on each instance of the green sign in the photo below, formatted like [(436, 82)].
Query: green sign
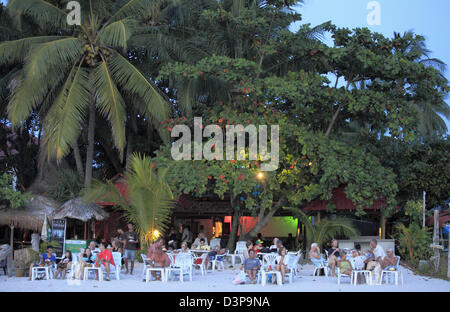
[(75, 245)]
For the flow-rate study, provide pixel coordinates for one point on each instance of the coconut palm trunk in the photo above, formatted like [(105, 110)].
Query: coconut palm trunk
[(90, 149)]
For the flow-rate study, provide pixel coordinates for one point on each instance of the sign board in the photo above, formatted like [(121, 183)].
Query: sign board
[(59, 235), (75, 245)]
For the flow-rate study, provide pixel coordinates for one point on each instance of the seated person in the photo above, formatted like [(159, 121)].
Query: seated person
[(184, 248), (47, 259), (389, 262), (358, 249), (344, 265), (64, 264), (359, 260), (203, 245), (258, 246), (159, 259), (282, 263), (104, 258), (375, 255), (213, 253), (93, 246), (274, 245), (87, 260), (199, 237), (315, 256), (333, 256), (251, 266), (249, 245)]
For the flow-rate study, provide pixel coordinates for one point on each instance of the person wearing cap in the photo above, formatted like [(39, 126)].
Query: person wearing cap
[(258, 246)]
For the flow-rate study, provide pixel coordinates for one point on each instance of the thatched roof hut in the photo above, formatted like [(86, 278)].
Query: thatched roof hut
[(32, 216), (80, 210)]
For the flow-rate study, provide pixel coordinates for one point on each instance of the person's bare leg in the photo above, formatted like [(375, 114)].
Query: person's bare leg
[(126, 265), (131, 267), (107, 269), (64, 274), (283, 271)]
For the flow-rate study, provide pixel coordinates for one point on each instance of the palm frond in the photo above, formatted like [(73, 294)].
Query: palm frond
[(65, 117), (117, 34), (130, 79), (14, 52), (42, 12), (134, 8), (110, 103), (44, 66)]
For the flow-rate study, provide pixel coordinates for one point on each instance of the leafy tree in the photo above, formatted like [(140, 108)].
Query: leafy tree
[(148, 201), (8, 196), (77, 72), (414, 242), (325, 230)]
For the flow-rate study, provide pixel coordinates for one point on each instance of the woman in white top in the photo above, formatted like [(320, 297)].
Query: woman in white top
[(282, 260)]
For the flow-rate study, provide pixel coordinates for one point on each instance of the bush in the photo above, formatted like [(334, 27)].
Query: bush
[(414, 242), (139, 252)]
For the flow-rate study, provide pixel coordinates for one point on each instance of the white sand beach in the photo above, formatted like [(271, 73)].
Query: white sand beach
[(220, 281)]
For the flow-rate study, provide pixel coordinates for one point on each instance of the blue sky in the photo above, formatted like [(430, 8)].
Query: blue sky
[(428, 18)]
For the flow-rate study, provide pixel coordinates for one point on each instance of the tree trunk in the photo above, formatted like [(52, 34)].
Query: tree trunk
[(448, 254), (129, 152), (262, 222), (234, 227), (11, 240), (77, 156), (383, 225), (90, 149)]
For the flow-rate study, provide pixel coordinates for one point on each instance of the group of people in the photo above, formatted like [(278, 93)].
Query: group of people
[(373, 259), (252, 264)]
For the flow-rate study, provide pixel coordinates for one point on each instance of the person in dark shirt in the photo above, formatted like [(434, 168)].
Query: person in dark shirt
[(131, 240), (333, 256)]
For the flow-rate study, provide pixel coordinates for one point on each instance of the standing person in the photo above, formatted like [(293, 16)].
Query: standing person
[(187, 235), (333, 256), (131, 241), (172, 238), (64, 264), (104, 258), (121, 239)]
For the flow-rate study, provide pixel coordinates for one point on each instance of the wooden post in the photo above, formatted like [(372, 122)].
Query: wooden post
[(11, 240), (448, 262), (436, 239), (382, 225), (423, 217), (85, 231)]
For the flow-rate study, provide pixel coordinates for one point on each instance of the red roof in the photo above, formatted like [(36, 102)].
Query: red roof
[(444, 217), (341, 202), (121, 185)]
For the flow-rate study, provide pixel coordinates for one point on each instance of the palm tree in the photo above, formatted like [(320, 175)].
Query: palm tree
[(325, 229), (149, 198), (431, 111), (76, 72)]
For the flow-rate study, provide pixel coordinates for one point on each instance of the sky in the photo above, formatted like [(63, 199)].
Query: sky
[(429, 18)]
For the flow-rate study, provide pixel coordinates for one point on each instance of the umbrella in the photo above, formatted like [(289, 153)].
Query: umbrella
[(78, 209), (46, 232), (32, 216)]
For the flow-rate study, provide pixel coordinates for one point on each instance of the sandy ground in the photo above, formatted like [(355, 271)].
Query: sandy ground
[(221, 281)]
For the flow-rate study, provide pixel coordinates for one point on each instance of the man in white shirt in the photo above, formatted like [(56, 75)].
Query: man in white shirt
[(377, 255)]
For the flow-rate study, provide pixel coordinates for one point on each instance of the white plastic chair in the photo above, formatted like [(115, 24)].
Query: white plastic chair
[(214, 242), (386, 274), (44, 269), (115, 269), (182, 265), (202, 262), (269, 259), (161, 270), (143, 256), (93, 268), (218, 262), (241, 246), (358, 271), (320, 265), (339, 275)]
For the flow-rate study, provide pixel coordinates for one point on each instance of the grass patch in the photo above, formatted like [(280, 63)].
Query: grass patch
[(442, 273)]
